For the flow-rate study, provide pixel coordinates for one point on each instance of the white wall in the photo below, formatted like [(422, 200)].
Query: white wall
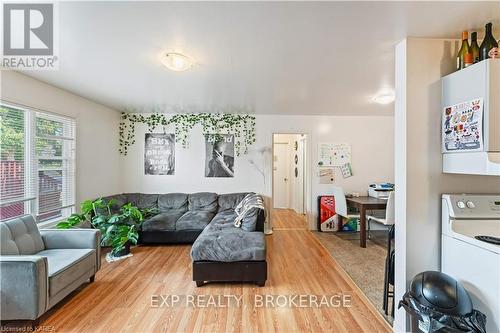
[(97, 158), (420, 64), (372, 149)]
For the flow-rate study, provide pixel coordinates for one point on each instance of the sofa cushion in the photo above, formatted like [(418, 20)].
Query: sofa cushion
[(173, 201), (120, 200), (238, 245), (226, 216), (132, 198), (20, 236), (147, 201), (203, 201), (194, 220), (222, 222), (67, 265), (162, 222), (220, 228), (229, 201)]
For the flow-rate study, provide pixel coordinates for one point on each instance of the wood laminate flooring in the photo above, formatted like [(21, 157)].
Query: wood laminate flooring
[(120, 299), (287, 219)]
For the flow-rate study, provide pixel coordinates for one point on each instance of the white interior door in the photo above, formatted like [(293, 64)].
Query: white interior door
[(281, 175)]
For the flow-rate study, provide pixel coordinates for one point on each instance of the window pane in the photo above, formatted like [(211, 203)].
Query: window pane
[(50, 216), (49, 127), (14, 181), (43, 161), (49, 190), (50, 164), (13, 210), (48, 148), (12, 134)]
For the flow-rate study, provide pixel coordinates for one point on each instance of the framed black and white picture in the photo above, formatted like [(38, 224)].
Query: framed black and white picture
[(219, 156), (159, 154)]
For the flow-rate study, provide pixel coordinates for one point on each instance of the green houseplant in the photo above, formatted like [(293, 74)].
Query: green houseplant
[(119, 229)]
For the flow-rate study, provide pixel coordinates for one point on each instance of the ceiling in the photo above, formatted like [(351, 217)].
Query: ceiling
[(260, 57)]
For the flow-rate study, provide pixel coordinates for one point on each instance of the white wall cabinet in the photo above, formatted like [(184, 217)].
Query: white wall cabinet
[(479, 81)]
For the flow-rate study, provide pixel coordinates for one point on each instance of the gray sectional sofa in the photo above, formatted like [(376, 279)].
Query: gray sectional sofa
[(220, 251)]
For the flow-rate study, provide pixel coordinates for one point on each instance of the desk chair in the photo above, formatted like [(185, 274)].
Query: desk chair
[(389, 274), (387, 219), (341, 203)]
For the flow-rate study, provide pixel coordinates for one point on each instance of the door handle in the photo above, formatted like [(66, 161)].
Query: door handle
[(286, 179)]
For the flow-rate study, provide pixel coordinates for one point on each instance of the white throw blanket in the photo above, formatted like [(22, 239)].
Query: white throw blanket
[(250, 201)]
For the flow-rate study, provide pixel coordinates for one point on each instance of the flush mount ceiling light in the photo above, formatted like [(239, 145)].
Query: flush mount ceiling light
[(384, 98), (176, 61)]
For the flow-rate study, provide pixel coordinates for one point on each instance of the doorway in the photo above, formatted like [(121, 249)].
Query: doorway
[(289, 180)]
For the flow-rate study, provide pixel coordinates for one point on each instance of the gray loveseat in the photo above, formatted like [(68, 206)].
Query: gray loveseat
[(220, 251), (41, 267)]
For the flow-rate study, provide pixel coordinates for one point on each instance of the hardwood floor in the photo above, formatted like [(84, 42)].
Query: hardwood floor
[(120, 298), (288, 219)]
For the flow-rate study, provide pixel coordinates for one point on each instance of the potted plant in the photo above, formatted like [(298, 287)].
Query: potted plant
[(119, 230)]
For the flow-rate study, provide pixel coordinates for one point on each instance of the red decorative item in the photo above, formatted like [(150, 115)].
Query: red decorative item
[(327, 216)]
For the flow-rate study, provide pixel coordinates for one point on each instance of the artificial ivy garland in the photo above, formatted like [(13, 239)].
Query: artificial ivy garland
[(213, 124)]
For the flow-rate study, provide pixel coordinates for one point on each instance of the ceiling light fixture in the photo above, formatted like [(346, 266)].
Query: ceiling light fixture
[(385, 98), (176, 61)]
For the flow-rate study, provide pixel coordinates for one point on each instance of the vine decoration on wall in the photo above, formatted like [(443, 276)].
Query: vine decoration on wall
[(212, 124)]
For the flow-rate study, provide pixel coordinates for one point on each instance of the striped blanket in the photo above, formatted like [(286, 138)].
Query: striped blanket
[(250, 202)]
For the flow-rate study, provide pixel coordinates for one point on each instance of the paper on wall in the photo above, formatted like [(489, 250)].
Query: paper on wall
[(346, 170), (333, 154), (327, 176)]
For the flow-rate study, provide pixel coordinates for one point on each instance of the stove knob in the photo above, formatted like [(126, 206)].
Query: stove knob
[(461, 204), (470, 204)]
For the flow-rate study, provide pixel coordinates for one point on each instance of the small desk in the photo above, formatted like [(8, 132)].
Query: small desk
[(364, 204)]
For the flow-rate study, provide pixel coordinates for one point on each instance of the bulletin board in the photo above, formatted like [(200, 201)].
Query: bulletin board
[(335, 155)]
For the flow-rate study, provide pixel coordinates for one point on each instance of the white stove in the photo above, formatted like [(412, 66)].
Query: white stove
[(470, 252)]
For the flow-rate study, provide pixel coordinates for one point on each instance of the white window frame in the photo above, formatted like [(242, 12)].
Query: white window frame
[(32, 163)]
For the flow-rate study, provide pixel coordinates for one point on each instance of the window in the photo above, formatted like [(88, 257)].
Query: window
[(37, 171)]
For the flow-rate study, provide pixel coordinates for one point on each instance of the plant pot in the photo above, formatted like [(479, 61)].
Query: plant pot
[(124, 251)]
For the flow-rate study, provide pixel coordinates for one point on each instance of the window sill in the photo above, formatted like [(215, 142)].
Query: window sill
[(48, 224)]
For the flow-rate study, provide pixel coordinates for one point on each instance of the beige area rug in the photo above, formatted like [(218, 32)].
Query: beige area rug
[(365, 266)]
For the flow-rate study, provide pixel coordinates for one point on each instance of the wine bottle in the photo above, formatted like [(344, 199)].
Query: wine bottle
[(474, 47), (488, 43), (468, 60), (464, 49)]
